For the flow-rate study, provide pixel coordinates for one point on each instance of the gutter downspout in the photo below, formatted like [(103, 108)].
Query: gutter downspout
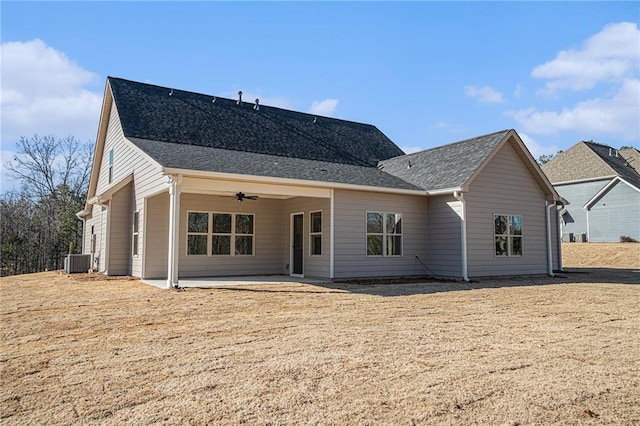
[(463, 233), (560, 267), (547, 211)]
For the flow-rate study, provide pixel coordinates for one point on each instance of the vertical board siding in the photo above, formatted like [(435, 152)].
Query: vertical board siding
[(267, 238), (578, 194), (350, 234), (157, 236), (148, 180), (616, 214), (444, 236), (120, 232), (313, 266), (505, 186)]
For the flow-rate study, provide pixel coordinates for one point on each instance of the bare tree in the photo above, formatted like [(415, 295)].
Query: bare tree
[(40, 222)]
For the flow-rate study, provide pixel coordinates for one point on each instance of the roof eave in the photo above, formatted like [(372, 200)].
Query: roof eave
[(289, 181)]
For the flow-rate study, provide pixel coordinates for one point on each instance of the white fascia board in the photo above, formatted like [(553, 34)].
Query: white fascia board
[(108, 193), (604, 190), (446, 191), (288, 181), (593, 179)]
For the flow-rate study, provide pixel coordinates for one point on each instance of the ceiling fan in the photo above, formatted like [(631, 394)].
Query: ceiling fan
[(241, 197)]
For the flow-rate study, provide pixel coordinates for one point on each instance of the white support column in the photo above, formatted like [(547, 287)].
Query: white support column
[(174, 231), (331, 236), (463, 233), (548, 207)]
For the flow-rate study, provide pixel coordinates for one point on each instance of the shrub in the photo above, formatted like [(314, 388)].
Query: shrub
[(625, 239)]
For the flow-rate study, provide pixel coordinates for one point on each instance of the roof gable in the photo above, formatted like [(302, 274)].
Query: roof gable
[(455, 166), (174, 116), (447, 166)]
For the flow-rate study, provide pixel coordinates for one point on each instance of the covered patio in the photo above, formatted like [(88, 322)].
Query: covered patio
[(275, 244)]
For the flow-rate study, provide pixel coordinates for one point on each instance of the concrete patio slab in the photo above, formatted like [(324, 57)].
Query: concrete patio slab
[(211, 282)]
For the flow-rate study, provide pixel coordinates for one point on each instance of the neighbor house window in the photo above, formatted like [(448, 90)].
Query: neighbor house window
[(384, 234), (507, 235), (110, 166), (136, 218), (315, 232), (228, 234)]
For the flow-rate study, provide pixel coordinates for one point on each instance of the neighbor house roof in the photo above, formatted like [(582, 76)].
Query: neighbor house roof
[(179, 117), (632, 156), (444, 167), (589, 160)]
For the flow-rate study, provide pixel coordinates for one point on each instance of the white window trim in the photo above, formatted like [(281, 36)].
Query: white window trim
[(210, 234), (312, 234), (384, 234), (135, 233), (508, 235)]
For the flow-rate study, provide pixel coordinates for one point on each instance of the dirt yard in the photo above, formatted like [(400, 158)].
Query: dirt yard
[(536, 350)]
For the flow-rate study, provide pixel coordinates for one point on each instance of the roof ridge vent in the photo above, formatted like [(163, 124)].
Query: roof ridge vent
[(257, 105), (239, 98)]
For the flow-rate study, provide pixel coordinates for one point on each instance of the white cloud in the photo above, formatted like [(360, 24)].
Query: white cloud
[(536, 149), (325, 107), (610, 55), (486, 94), (615, 116), (44, 92), (518, 90), (411, 149)]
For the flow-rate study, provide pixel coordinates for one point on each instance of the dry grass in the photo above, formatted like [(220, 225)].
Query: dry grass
[(535, 350)]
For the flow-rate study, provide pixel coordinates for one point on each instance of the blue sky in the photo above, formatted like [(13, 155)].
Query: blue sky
[(425, 73)]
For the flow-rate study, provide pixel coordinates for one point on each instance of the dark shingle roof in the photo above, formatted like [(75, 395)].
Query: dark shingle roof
[(229, 161), (149, 112), (616, 162), (448, 166)]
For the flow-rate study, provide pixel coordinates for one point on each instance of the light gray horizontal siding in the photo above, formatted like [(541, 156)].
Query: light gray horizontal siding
[(443, 236), (267, 256), (148, 180), (313, 266), (350, 234), (120, 232), (616, 214), (505, 186), (578, 194), (157, 236)]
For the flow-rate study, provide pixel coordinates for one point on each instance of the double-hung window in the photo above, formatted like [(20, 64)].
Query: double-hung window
[(315, 233), (507, 235), (220, 234), (384, 234)]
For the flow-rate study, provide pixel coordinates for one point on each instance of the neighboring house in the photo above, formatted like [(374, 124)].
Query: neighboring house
[(602, 186), (187, 185)]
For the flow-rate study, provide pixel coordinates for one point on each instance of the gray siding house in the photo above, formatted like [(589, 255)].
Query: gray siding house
[(602, 186), (191, 185)]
